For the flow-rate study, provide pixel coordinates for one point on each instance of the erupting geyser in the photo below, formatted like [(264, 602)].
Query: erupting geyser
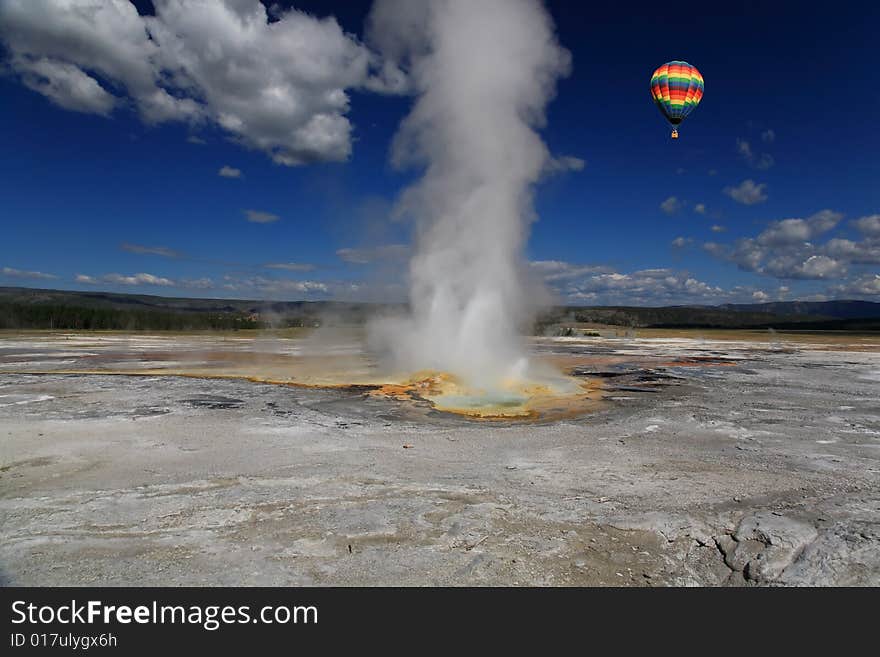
[(483, 72)]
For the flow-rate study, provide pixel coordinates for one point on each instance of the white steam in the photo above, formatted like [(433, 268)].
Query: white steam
[(483, 72)]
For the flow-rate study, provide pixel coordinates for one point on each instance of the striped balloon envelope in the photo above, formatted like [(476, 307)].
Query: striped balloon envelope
[(677, 88)]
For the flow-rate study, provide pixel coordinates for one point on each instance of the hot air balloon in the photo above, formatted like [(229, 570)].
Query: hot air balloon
[(676, 88)]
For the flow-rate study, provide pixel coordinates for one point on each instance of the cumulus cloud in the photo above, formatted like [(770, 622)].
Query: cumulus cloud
[(794, 231), (82, 41), (748, 192), (717, 229), (787, 231), (599, 284), (681, 242), (281, 87), (869, 226), (229, 172), (783, 261), (138, 279), (65, 85), (382, 253), (259, 217), (866, 252), (862, 253), (789, 249), (290, 266), (163, 251), (760, 296), (647, 286), (11, 272), (863, 286), (83, 278), (671, 205), (700, 208), (813, 267)]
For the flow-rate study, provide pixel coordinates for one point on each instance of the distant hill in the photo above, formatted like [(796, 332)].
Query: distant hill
[(122, 301), (41, 308), (22, 308), (672, 317), (845, 309), (787, 315)]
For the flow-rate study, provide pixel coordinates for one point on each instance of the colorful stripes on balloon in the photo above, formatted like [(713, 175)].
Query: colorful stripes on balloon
[(677, 88)]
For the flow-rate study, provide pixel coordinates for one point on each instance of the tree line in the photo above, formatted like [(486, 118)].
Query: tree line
[(58, 316)]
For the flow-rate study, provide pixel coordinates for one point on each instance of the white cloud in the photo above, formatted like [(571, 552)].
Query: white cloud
[(768, 136), (788, 249), (106, 38), (786, 261), (760, 296), (385, 252), (138, 279), (83, 278), (717, 229), (681, 242), (700, 208), (290, 266), (748, 192), (280, 87), (648, 286), (864, 286), (794, 231), (718, 250), (163, 251), (815, 266), (65, 85), (869, 226), (193, 139), (11, 272), (823, 221), (564, 163), (671, 205), (259, 217), (866, 252), (577, 283), (787, 231), (229, 172)]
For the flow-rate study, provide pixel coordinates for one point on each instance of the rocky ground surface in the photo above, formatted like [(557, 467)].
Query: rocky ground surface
[(730, 464)]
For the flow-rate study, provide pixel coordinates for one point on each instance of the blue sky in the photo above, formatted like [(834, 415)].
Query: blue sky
[(110, 183)]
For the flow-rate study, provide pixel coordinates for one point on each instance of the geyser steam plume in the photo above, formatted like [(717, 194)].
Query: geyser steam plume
[(483, 72)]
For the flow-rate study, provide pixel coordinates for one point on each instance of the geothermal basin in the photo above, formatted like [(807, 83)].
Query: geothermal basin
[(288, 458)]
